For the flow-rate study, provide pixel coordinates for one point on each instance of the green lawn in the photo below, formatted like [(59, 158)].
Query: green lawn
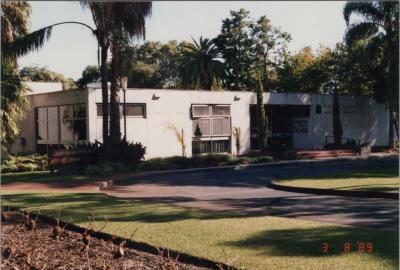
[(41, 177), (252, 242), (384, 180)]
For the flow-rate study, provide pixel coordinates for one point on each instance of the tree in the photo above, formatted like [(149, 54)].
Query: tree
[(270, 45), (15, 23), (102, 18), (89, 74), (42, 74), (11, 49), (304, 72), (200, 65), (379, 28), (235, 45), (13, 102), (261, 115), (128, 21)]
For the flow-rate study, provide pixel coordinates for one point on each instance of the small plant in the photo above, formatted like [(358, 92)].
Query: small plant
[(90, 230), (58, 230), (236, 135), (167, 262), (7, 215), (120, 251), (31, 224), (180, 137)]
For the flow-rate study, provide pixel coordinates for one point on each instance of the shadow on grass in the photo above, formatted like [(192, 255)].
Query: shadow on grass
[(78, 206), (309, 242), (46, 178)]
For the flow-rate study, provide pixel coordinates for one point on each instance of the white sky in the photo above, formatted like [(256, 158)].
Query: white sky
[(72, 47)]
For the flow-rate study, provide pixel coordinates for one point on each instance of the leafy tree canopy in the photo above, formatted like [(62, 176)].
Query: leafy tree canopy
[(89, 74), (41, 74)]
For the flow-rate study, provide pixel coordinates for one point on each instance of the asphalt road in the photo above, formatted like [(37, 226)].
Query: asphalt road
[(243, 190)]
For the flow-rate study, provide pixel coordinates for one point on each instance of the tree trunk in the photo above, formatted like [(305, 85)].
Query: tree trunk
[(391, 125), (115, 125), (104, 91), (261, 123), (337, 124)]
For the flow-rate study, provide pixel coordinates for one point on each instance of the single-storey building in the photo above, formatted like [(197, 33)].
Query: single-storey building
[(207, 118)]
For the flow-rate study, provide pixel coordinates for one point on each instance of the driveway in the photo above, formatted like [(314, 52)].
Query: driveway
[(243, 190)]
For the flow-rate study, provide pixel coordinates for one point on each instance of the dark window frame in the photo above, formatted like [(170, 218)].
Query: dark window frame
[(144, 105)]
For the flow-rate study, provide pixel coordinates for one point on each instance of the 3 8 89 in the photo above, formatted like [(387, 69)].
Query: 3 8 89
[(367, 247)]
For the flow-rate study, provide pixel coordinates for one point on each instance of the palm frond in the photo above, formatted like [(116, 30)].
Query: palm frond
[(131, 17), (363, 30), (364, 9), (28, 43)]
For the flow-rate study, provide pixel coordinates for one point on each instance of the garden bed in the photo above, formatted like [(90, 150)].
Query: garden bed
[(24, 248)]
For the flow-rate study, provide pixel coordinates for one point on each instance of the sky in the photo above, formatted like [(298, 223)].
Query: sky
[(73, 47)]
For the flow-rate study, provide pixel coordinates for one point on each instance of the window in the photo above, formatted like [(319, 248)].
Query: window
[(221, 110), (203, 147), (73, 122), (300, 126), (200, 111), (60, 124), (132, 110), (211, 128)]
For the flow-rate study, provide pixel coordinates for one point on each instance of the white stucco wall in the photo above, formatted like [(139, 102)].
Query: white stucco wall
[(363, 120), (43, 87)]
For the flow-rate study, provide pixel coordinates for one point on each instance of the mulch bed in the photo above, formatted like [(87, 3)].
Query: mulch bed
[(23, 248)]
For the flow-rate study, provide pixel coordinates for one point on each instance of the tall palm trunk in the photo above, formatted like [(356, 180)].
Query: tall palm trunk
[(104, 91), (115, 125), (336, 122), (391, 124), (261, 124), (393, 85)]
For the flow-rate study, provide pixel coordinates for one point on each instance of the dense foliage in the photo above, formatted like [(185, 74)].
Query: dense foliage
[(89, 74), (378, 29), (13, 102), (24, 163), (41, 74), (122, 151)]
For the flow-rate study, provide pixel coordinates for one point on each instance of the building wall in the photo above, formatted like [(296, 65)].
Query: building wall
[(43, 87), (363, 120), (27, 124), (164, 107)]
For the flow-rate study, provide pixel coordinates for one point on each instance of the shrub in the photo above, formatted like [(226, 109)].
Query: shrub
[(101, 169), (244, 160), (263, 159), (125, 152), (214, 159), (25, 163)]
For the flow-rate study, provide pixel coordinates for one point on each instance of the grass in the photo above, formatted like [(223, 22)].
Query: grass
[(41, 177), (251, 242), (383, 180)]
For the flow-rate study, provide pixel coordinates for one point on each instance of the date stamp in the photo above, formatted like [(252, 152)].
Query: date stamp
[(358, 246)]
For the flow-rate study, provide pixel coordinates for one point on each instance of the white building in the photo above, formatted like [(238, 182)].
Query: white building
[(57, 118)]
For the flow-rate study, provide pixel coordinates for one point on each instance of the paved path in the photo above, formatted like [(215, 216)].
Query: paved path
[(242, 189)]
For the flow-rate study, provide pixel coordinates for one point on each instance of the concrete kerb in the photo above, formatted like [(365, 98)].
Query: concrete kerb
[(108, 182), (334, 192)]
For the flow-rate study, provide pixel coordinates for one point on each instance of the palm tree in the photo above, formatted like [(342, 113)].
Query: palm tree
[(379, 27), (102, 18), (15, 23), (200, 64), (128, 20)]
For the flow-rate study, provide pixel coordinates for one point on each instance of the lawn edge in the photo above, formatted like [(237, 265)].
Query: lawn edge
[(140, 246), (321, 191)]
